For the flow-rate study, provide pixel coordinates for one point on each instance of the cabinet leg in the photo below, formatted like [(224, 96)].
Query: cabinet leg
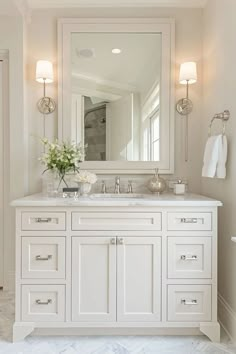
[(211, 330), (21, 330)]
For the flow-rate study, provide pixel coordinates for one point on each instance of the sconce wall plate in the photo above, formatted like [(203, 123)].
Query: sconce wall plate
[(184, 106), (46, 105)]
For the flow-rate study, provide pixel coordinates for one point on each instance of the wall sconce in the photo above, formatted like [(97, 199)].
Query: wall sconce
[(44, 75), (187, 76)]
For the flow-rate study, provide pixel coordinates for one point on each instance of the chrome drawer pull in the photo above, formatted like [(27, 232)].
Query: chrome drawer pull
[(39, 302), (192, 302), (190, 258), (40, 258), (120, 241), (113, 241), (43, 220), (188, 220)]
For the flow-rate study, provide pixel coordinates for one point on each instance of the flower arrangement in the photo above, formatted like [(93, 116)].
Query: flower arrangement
[(85, 177), (62, 158)]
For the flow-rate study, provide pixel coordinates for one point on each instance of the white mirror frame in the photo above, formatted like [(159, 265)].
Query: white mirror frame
[(67, 26)]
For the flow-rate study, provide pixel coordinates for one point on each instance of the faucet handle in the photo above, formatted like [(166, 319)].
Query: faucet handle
[(104, 188), (117, 179), (130, 187), (117, 185)]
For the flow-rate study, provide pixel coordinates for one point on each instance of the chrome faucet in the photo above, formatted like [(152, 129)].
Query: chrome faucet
[(130, 187), (103, 189), (117, 185)]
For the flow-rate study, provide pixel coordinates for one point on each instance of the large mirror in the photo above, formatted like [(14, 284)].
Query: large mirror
[(116, 92), (116, 80)]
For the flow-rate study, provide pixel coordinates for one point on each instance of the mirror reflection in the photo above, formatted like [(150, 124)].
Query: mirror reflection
[(116, 95)]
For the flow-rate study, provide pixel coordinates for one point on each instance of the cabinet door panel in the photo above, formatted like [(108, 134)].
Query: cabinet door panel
[(93, 279), (139, 279)]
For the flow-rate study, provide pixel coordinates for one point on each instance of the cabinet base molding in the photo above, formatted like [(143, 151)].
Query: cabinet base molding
[(21, 330), (116, 332), (211, 330)]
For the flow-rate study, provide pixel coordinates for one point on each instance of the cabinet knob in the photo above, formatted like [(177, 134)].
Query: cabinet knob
[(120, 241), (113, 241)]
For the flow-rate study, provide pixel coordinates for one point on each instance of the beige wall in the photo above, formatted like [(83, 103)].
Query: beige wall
[(219, 94), (42, 36)]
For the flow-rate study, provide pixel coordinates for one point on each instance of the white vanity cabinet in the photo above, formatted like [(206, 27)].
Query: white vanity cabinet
[(144, 266)]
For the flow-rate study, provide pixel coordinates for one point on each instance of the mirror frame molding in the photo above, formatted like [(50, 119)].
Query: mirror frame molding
[(166, 27)]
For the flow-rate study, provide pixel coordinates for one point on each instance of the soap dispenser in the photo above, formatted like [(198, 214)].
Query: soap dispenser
[(179, 187)]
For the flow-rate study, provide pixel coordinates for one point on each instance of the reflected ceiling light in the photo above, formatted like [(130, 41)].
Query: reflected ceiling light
[(116, 51)]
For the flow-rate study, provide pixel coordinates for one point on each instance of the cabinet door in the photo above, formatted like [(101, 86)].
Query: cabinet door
[(94, 279), (138, 279)]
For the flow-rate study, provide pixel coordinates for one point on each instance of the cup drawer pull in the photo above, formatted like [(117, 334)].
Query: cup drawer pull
[(188, 220), (40, 302), (185, 302), (40, 258), (43, 220), (188, 258)]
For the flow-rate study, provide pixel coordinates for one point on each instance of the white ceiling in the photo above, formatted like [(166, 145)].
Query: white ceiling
[(37, 4), (137, 68)]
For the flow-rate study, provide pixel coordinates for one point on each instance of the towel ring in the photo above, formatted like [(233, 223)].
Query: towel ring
[(224, 116)]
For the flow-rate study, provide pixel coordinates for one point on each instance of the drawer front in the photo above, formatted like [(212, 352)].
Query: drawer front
[(43, 303), (189, 257), (189, 221), (43, 221), (43, 257), (189, 303), (116, 221)]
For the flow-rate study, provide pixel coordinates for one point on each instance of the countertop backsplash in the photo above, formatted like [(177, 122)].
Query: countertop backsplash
[(139, 183)]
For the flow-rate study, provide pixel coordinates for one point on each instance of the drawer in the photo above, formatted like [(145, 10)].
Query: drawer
[(189, 221), (116, 221), (43, 257), (189, 257), (43, 221), (43, 303), (189, 303)]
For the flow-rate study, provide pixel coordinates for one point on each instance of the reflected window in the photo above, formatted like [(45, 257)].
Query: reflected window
[(151, 126)]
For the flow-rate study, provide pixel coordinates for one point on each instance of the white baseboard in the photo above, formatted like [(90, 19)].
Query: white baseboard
[(9, 281), (227, 317)]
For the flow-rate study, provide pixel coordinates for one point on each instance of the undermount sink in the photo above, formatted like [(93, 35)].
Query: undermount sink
[(118, 195)]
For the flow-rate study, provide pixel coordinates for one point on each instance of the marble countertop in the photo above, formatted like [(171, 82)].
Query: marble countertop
[(38, 200)]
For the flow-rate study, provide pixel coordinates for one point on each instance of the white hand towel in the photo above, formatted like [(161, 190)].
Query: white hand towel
[(221, 166), (211, 156)]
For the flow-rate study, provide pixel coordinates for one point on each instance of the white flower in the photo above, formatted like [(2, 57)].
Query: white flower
[(86, 177)]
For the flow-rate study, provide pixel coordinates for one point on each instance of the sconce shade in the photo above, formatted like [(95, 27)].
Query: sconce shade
[(188, 73), (44, 71)]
